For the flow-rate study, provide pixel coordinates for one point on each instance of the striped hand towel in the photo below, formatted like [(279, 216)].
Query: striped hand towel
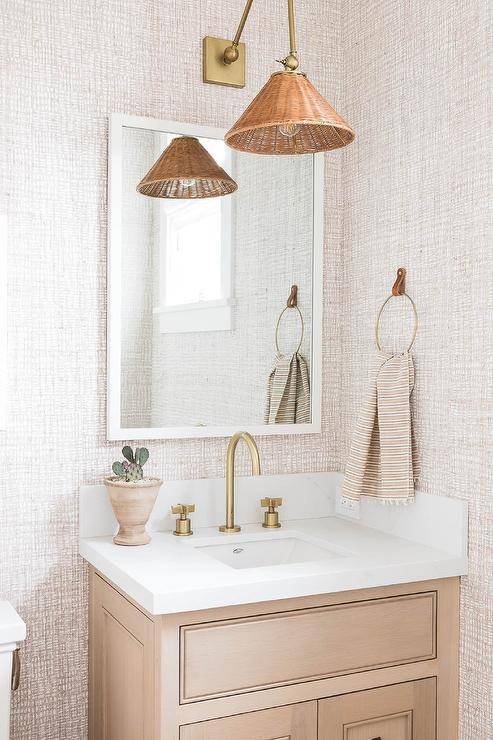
[(288, 393), (383, 460)]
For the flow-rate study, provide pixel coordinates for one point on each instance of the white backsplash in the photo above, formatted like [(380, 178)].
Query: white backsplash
[(305, 496), (435, 521)]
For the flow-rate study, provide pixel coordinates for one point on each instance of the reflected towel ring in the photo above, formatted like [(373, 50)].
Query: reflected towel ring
[(302, 323), (377, 326)]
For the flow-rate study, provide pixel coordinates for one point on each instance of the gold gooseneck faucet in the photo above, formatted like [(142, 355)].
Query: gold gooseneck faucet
[(230, 525)]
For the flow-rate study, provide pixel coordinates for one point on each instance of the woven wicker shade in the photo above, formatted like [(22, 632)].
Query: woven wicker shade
[(186, 170), (289, 103)]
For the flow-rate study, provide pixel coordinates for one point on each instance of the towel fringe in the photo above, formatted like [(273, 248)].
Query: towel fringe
[(395, 502), (382, 501)]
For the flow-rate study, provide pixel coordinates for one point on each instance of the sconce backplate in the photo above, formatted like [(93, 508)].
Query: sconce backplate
[(215, 71)]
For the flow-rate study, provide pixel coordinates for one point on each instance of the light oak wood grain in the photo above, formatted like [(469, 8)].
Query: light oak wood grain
[(163, 711), (448, 667), (403, 712), (304, 645), (294, 722), (395, 727), (122, 668)]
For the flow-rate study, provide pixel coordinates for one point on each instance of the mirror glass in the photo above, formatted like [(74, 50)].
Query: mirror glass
[(202, 288)]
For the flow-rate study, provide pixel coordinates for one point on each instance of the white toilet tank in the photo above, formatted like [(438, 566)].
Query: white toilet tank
[(12, 631)]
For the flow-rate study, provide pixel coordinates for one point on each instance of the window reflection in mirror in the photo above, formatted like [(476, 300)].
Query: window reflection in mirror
[(195, 232)]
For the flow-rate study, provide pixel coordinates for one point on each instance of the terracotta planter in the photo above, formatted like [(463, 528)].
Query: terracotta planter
[(132, 504)]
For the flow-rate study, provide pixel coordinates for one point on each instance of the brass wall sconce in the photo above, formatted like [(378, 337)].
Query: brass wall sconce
[(288, 116)]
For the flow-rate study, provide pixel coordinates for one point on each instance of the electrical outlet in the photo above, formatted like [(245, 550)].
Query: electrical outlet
[(347, 507)]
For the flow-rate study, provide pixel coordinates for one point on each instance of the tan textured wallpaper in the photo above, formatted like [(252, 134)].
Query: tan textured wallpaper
[(65, 65), (417, 189), (414, 189)]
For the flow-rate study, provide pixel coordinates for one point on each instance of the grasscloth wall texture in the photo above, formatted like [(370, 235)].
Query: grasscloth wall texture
[(413, 190), (417, 187), (65, 66)]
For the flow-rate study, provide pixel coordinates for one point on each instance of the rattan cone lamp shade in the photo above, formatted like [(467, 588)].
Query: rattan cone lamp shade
[(289, 103), (186, 170)]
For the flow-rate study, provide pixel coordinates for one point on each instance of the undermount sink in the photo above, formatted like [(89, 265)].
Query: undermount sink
[(266, 553)]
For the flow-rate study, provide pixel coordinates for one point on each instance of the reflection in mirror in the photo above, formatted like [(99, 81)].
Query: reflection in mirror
[(206, 338)]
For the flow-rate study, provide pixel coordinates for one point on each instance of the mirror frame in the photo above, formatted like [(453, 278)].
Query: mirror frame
[(3, 322), (115, 431)]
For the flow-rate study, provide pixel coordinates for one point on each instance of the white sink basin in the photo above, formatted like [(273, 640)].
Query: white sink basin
[(268, 552)]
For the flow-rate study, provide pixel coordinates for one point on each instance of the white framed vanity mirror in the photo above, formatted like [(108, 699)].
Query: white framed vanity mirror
[(196, 287)]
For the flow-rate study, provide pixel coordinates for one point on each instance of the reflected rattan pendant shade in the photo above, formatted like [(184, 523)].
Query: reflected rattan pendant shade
[(289, 102), (186, 170)]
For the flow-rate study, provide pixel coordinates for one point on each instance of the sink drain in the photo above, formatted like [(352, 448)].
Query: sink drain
[(237, 550)]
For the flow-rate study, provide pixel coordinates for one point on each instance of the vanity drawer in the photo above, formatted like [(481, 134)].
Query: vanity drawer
[(240, 655)]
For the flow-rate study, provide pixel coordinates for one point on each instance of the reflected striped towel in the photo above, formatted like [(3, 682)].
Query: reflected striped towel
[(288, 392), (383, 460)]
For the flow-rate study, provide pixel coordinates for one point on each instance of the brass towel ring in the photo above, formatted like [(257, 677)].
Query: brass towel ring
[(377, 326), (302, 327)]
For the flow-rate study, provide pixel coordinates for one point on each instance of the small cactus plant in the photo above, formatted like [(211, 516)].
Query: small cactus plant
[(130, 470)]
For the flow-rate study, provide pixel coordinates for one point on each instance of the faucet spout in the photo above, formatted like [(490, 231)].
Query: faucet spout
[(230, 525)]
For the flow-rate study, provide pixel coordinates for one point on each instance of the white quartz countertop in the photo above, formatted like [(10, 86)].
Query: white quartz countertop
[(171, 575)]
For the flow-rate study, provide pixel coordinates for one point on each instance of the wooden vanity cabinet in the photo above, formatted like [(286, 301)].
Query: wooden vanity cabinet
[(360, 665)]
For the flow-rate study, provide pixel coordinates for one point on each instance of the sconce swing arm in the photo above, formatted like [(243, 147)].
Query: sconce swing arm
[(291, 62)]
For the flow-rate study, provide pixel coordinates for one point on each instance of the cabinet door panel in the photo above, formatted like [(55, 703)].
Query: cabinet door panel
[(398, 727), (122, 668), (406, 711), (123, 682), (293, 722)]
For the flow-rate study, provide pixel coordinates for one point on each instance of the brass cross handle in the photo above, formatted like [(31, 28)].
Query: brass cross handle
[(271, 516), (183, 527), (183, 509), (272, 503)]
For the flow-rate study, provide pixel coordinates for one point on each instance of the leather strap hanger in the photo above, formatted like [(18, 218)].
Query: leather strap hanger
[(292, 302), (398, 289)]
